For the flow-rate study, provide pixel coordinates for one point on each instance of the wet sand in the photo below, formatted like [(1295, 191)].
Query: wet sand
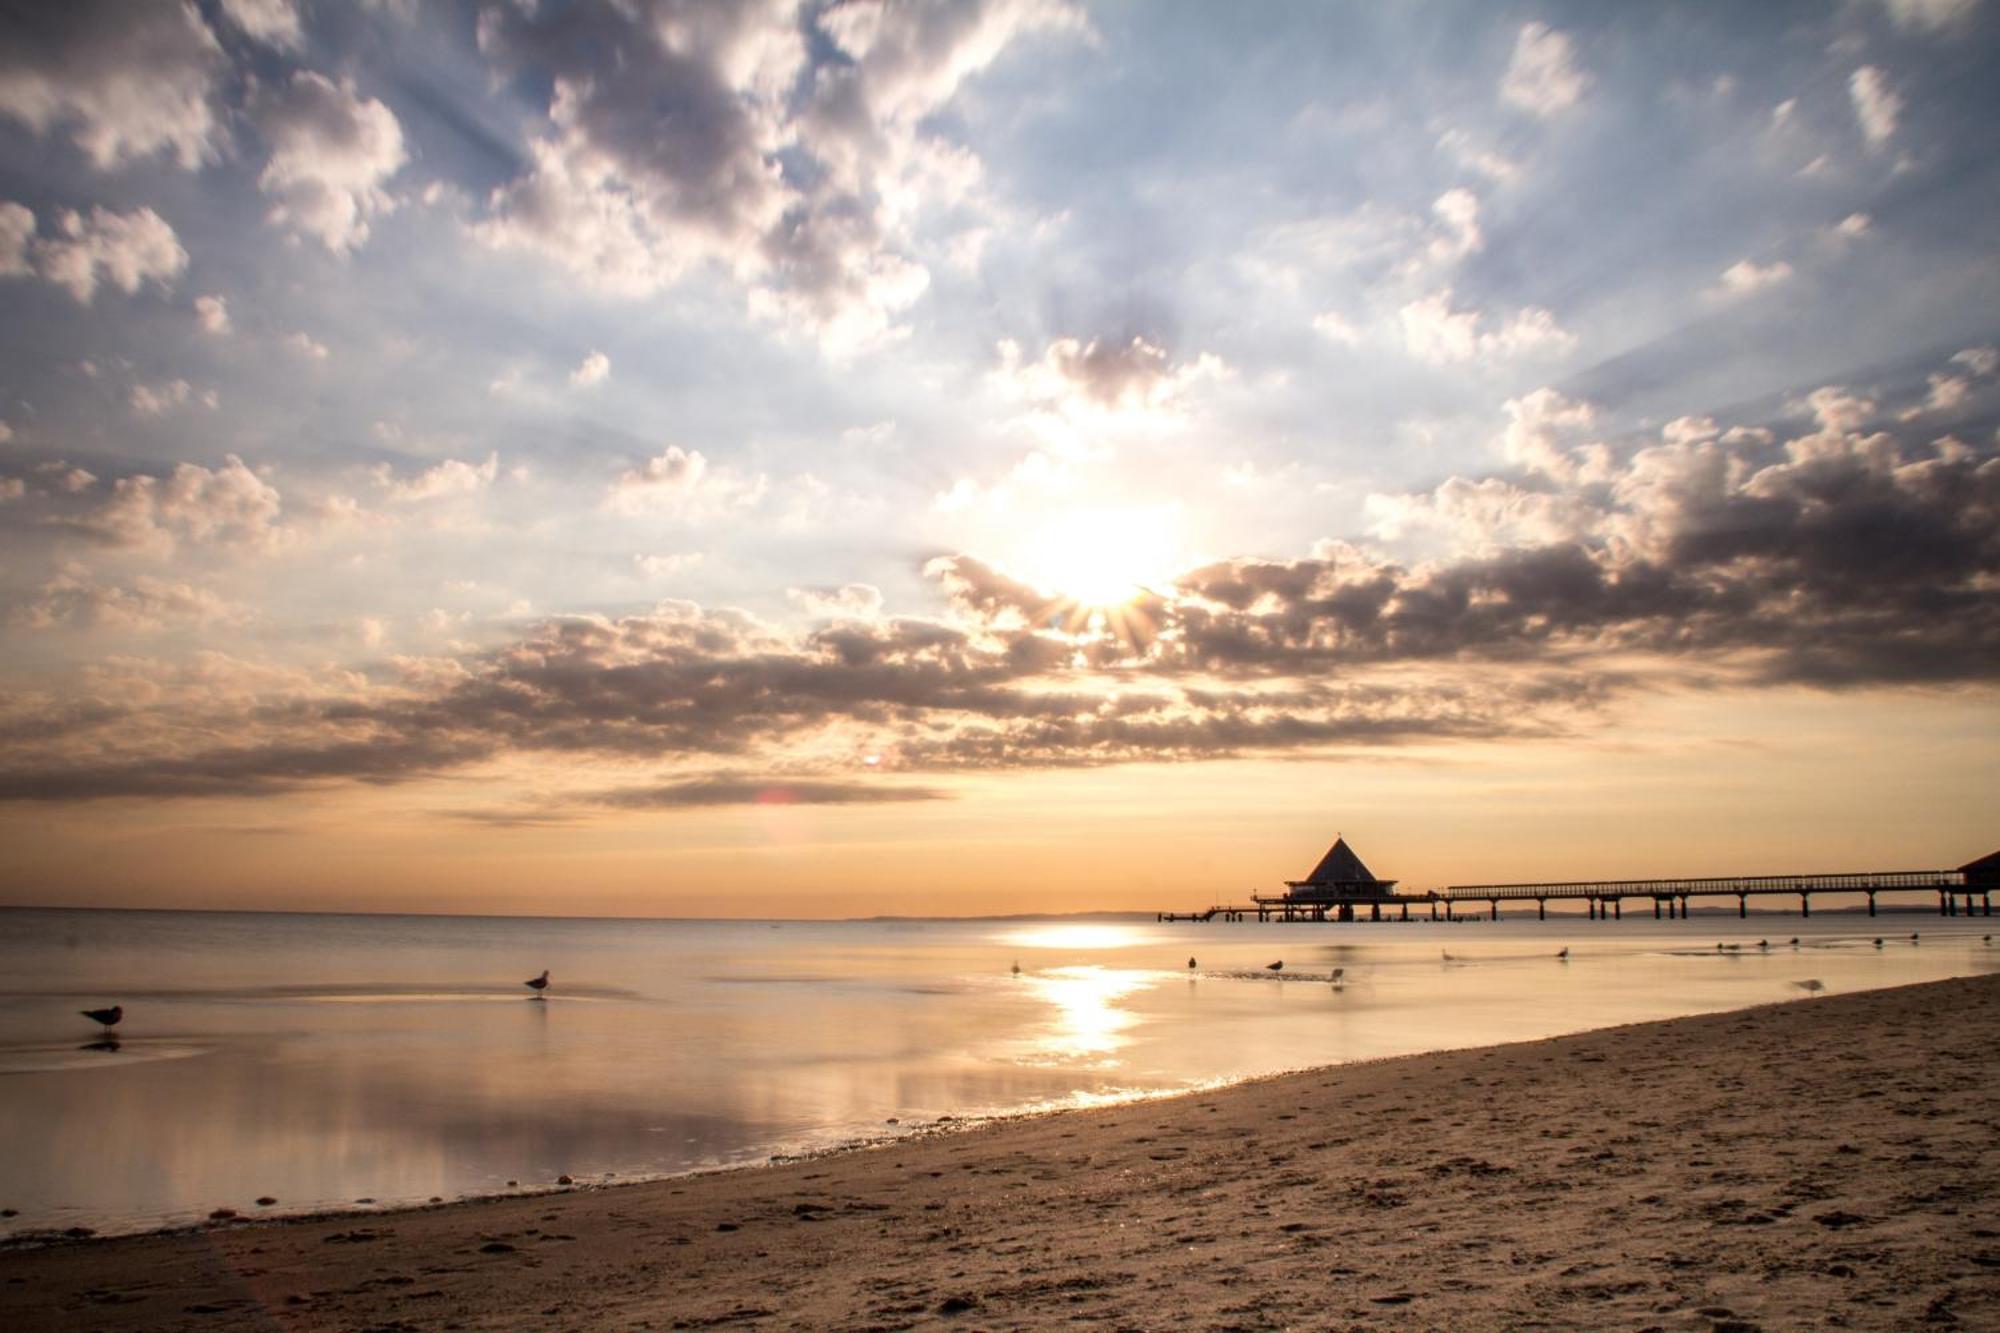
[(1825, 1162)]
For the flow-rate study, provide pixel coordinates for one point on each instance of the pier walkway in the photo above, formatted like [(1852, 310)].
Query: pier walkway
[(1605, 898)]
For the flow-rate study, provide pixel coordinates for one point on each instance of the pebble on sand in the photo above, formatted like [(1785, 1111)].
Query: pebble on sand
[(565, 1180), (222, 1215), (265, 1201)]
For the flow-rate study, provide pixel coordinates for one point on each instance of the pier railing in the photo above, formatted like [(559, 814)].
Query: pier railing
[(1866, 882)]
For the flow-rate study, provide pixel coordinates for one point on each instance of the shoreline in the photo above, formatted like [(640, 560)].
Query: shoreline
[(1788, 1142)]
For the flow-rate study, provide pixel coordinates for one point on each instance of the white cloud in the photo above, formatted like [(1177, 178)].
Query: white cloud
[(852, 601), (229, 506), (1435, 332), (1876, 105), (1689, 430), (331, 153), (152, 400), (593, 369), (272, 22), (213, 312), (306, 345), (1500, 169), (1336, 327), (1838, 411), (1746, 276), (1854, 225), (1483, 516), (1537, 425), (126, 80), (451, 477), (660, 566), (1543, 76), (681, 480), (1458, 210), (1979, 360), (123, 249)]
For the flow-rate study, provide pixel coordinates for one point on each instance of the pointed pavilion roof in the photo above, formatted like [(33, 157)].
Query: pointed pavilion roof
[(1339, 866)]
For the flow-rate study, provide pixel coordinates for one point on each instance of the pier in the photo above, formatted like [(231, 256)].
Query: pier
[(1340, 887)]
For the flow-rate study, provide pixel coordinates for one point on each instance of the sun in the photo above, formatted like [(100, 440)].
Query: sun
[(1103, 557)]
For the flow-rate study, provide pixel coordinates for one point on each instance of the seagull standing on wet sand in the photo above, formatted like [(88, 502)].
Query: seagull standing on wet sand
[(1190, 964), (1278, 966), (539, 984), (108, 1017), (1339, 975), (1562, 954)]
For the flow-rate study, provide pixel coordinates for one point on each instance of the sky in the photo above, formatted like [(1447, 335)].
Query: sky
[(762, 458)]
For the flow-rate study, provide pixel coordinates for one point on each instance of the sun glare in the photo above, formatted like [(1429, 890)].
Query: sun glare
[(1103, 557)]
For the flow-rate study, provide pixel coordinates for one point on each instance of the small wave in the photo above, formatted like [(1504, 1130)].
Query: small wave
[(48, 1058)]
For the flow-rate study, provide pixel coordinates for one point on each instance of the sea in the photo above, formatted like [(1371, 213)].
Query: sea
[(336, 1062)]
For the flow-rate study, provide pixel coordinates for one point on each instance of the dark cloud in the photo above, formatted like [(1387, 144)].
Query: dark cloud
[(773, 791), (1839, 559)]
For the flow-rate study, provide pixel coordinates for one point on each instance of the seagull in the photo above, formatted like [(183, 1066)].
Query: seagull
[(1017, 967), (1811, 985), (1763, 944), (1278, 966), (1795, 941), (1986, 939), (1563, 953), (539, 984), (1190, 963), (108, 1017), (1339, 975), (1913, 937), (1878, 941)]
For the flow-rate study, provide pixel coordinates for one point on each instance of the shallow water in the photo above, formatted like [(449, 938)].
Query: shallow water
[(322, 1060)]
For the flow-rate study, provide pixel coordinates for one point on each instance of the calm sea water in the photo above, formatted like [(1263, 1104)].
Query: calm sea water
[(322, 1060)]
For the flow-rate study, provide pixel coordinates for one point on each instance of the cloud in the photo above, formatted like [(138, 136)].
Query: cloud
[(1876, 105), (213, 313), (703, 792), (1715, 556), (660, 566), (786, 150), (127, 81), (152, 400), (1746, 276), (126, 250), (227, 506), (1073, 375), (1457, 210), (1854, 225), (1981, 361), (331, 153), (1930, 15), (306, 345), (451, 477), (1538, 423), (147, 606), (272, 22), (1435, 332), (593, 369), (1543, 77), (682, 480), (17, 228)]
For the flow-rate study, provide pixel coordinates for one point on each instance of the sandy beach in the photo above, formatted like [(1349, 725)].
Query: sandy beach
[(1820, 1163)]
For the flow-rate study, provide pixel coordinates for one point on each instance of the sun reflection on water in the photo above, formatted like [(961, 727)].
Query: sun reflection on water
[(1076, 937), (1088, 1026)]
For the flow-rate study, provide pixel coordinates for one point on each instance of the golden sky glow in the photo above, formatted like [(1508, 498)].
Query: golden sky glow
[(831, 461)]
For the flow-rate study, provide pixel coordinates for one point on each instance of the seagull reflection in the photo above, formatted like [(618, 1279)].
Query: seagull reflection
[(101, 1044)]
